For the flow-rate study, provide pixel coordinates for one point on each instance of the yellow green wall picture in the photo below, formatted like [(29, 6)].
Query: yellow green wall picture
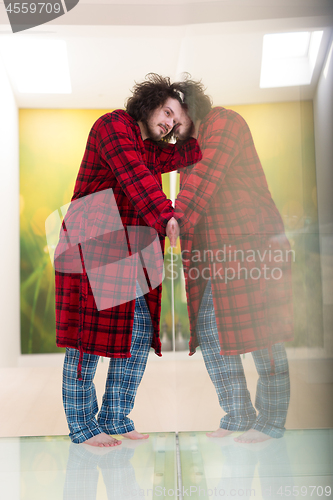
[(52, 144)]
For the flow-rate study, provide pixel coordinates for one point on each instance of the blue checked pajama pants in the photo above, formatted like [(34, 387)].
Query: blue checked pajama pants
[(227, 375), (123, 379)]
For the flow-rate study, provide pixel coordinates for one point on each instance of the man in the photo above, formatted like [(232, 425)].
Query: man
[(115, 159), (236, 261)]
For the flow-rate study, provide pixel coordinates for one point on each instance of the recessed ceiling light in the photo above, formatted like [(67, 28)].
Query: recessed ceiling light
[(37, 66), (289, 59)]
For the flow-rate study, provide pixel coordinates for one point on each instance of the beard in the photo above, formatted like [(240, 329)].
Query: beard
[(186, 133), (154, 136)]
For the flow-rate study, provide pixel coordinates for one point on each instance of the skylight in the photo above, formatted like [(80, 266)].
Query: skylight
[(289, 59), (328, 62), (37, 66)]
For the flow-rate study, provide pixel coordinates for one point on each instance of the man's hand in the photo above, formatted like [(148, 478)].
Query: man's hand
[(172, 231)]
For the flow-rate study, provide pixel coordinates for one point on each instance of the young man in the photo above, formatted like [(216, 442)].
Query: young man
[(236, 261), (115, 159)]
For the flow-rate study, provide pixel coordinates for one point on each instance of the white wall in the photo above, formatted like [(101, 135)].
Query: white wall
[(9, 213), (323, 118)]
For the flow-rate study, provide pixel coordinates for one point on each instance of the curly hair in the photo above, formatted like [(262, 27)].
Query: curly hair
[(197, 103), (150, 95)]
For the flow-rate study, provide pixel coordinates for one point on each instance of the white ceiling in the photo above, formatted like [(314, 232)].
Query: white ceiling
[(222, 47)]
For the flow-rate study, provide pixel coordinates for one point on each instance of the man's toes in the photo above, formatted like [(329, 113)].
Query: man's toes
[(135, 435), (102, 440)]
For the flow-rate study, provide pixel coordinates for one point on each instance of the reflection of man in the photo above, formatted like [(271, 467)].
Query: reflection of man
[(85, 465), (237, 270), (115, 159), (233, 470)]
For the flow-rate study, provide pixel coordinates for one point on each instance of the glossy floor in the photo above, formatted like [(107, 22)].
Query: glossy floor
[(189, 465)]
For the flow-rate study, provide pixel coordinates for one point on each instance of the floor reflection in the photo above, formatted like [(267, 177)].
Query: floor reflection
[(85, 465), (39, 468), (52, 468), (299, 464)]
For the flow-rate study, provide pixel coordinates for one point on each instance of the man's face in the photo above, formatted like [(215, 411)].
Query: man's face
[(162, 120), (185, 127)]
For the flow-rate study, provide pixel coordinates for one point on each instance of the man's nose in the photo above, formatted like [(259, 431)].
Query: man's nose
[(170, 123)]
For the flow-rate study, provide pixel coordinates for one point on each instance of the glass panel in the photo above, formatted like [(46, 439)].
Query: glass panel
[(299, 463), (54, 468)]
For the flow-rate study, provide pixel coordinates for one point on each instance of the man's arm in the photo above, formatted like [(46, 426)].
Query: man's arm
[(179, 155), (224, 139), (118, 147)]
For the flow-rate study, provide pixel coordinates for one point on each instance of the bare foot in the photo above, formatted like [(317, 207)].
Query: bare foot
[(101, 440), (252, 436), (220, 433), (135, 435)]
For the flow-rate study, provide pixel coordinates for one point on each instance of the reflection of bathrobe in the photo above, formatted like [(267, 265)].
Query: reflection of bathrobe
[(115, 158), (225, 206)]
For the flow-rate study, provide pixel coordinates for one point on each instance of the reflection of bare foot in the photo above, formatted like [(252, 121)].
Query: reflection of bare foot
[(252, 436), (220, 433), (135, 435), (99, 450), (102, 439)]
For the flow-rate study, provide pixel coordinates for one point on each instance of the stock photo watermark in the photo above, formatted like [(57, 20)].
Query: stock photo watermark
[(227, 264), (24, 14), (217, 492), (187, 492), (87, 236)]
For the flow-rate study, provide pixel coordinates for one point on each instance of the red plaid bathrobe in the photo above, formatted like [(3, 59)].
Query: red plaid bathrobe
[(115, 158), (230, 230)]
